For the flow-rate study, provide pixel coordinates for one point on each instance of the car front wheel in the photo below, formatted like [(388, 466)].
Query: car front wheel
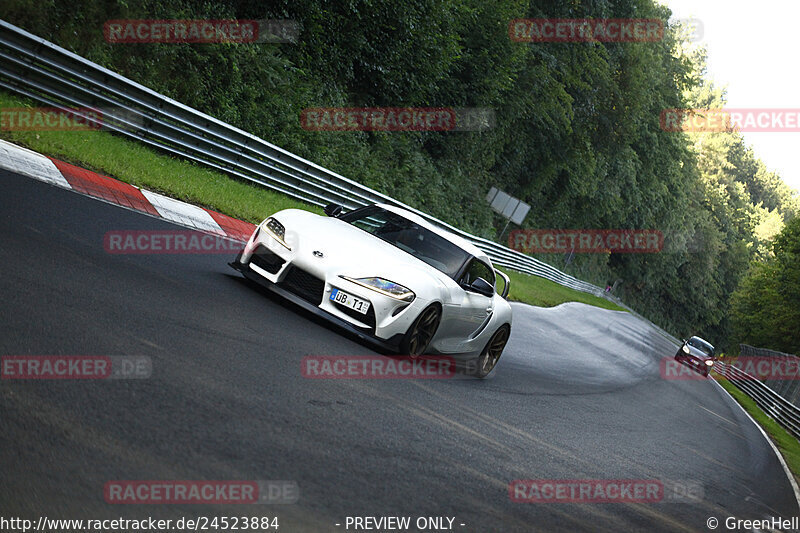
[(420, 334)]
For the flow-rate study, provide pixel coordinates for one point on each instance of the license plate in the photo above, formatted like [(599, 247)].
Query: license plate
[(348, 300)]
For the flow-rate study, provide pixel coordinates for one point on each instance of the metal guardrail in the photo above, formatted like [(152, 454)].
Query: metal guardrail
[(772, 403), (789, 389), (47, 73)]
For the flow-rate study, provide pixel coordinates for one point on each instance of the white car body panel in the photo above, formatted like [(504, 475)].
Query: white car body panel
[(468, 319)]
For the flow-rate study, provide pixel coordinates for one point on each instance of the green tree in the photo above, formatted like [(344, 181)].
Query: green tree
[(766, 306)]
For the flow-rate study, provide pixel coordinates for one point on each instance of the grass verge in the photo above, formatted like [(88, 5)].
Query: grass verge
[(143, 166), (545, 293), (786, 443)]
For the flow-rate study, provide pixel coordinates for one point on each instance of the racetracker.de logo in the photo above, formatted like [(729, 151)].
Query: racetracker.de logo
[(50, 119), (751, 368), (378, 119), (766, 368), (202, 492), (605, 491), (672, 369), (586, 491), (553, 30), (585, 241), (200, 31), (730, 119), (168, 242), (377, 367), (75, 367)]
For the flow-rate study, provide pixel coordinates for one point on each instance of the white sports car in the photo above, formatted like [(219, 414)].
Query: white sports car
[(388, 275)]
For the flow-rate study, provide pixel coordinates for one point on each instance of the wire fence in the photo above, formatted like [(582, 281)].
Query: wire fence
[(777, 370)]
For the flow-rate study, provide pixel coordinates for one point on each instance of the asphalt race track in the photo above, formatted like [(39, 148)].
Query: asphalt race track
[(577, 395)]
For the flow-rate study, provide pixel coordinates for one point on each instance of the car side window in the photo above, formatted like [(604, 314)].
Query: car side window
[(477, 269)]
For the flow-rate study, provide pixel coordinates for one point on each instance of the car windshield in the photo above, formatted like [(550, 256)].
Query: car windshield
[(410, 237), (701, 345)]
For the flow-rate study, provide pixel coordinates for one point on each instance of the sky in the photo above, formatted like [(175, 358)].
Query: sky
[(753, 48)]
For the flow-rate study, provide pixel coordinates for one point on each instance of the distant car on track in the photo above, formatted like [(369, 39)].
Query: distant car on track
[(696, 353), (385, 273)]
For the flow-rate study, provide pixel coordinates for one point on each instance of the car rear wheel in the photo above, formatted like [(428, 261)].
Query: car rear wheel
[(492, 352), (420, 334)]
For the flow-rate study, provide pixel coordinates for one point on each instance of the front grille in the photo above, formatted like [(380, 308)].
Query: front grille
[(267, 259), (303, 284), (368, 319)]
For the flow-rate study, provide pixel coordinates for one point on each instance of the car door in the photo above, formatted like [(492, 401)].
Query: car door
[(471, 310)]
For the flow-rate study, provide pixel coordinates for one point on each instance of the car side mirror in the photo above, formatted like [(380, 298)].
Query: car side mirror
[(333, 210), (506, 286), (481, 286)]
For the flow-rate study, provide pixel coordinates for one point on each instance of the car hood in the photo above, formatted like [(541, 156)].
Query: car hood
[(351, 250)]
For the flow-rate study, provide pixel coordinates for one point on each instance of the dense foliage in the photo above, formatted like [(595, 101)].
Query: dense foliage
[(577, 132), (766, 307)]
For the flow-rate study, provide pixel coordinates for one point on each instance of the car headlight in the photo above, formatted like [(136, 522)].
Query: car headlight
[(386, 287), (276, 230), (709, 362), (685, 349)]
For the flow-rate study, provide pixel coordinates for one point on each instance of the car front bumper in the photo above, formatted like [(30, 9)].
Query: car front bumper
[(309, 281), (391, 344), (694, 362)]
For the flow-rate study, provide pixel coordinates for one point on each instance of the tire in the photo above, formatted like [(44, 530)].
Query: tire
[(490, 355), (419, 336)]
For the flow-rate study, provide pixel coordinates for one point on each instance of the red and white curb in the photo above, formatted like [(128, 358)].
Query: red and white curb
[(35, 165)]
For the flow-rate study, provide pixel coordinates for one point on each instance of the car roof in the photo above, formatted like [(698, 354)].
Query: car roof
[(453, 238)]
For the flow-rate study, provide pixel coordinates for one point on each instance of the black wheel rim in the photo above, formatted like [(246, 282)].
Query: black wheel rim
[(423, 332), (493, 351)]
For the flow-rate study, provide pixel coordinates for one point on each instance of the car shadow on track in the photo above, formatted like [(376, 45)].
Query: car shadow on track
[(464, 369)]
